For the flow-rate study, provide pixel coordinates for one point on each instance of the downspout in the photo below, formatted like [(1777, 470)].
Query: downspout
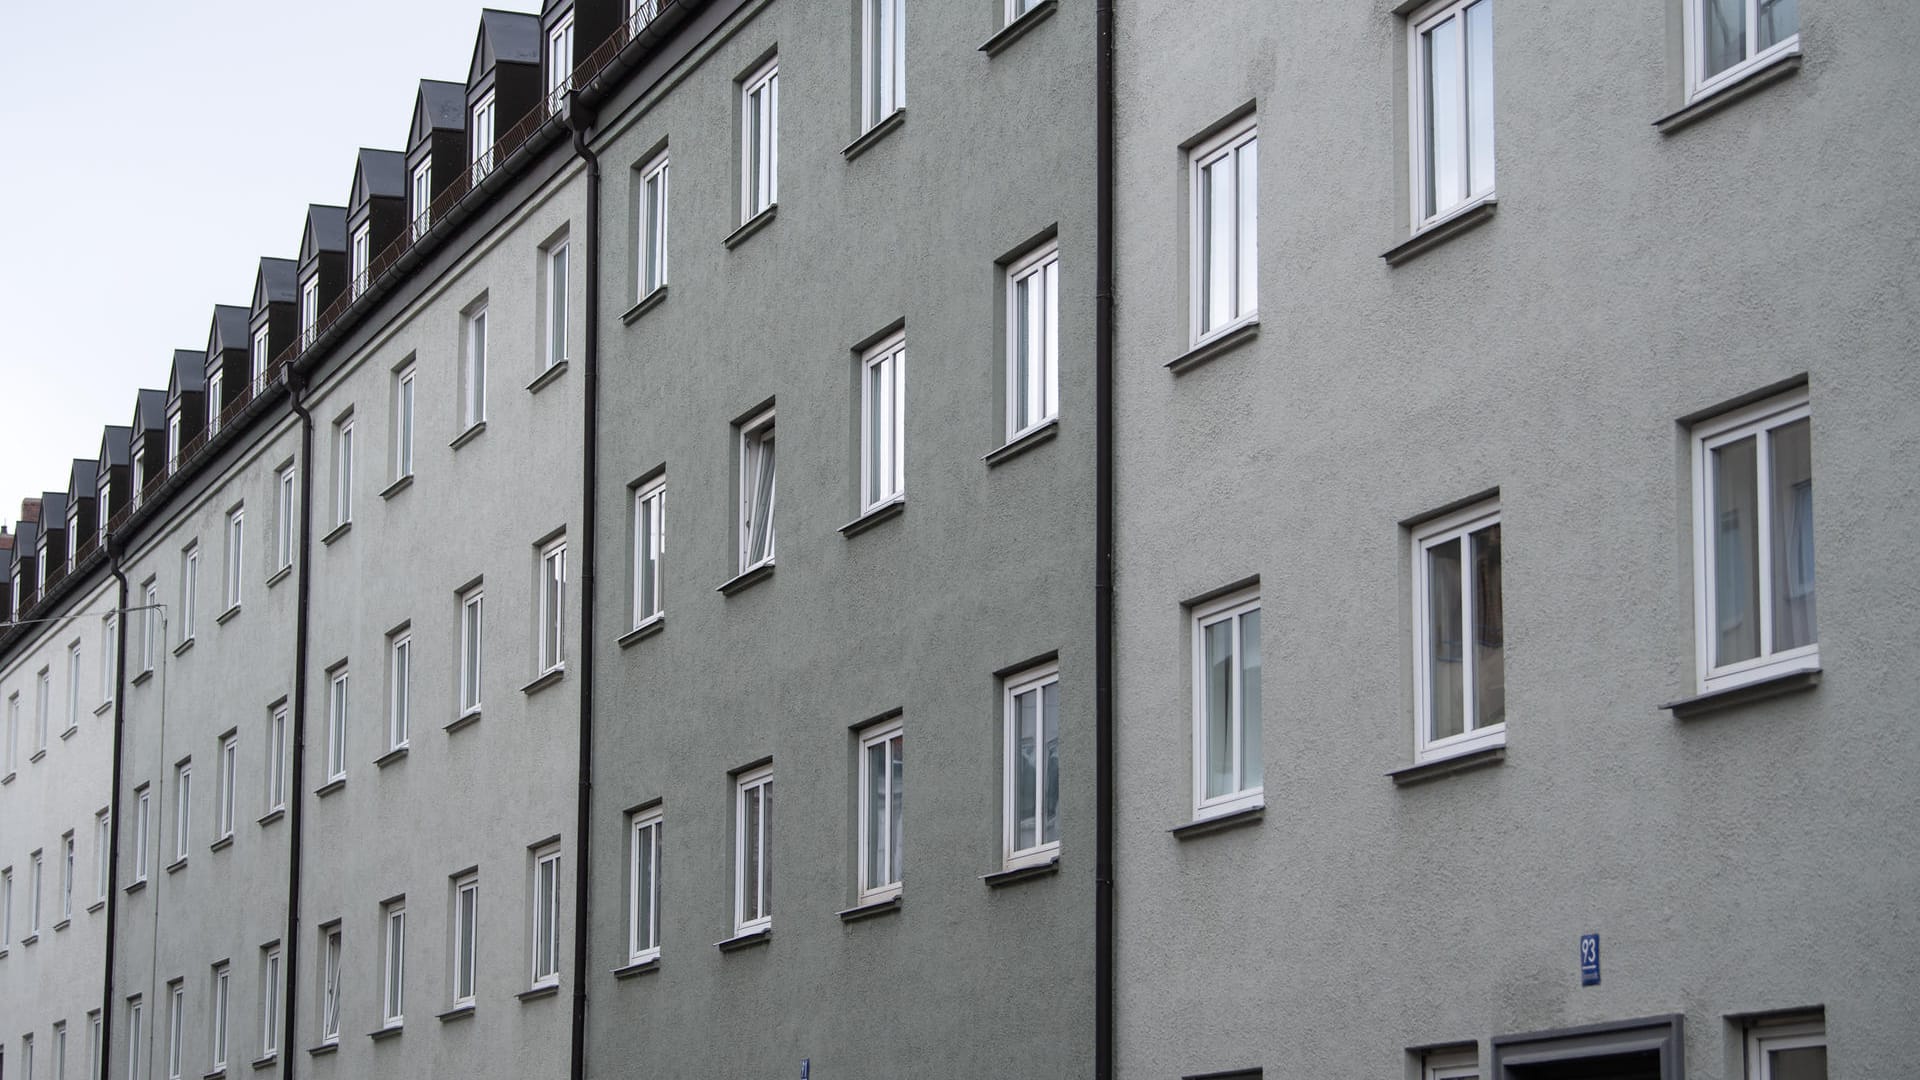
[(296, 784), (1103, 980), (580, 121), (113, 802)]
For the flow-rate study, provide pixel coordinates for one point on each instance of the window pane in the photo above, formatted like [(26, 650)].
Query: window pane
[(896, 792), (1800, 1063), (1050, 776), (1736, 554), (644, 886), (1216, 224), (1447, 696), (1247, 237), (876, 823), (1489, 632), (1218, 675), (1025, 306), (1445, 94), (1026, 765), (750, 857), (469, 908), (1480, 97), (877, 455), (1251, 775), (1791, 464), (1723, 33), (1779, 20), (766, 843)]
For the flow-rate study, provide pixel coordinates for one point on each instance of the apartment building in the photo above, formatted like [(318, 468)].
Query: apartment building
[(1639, 815)]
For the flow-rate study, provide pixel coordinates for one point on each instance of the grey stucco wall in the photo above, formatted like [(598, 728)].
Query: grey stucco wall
[(1756, 859)]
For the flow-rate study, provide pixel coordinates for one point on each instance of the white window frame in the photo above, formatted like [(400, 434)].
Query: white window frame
[(343, 472), (644, 833), (880, 736), (422, 205), (42, 708), (286, 507), (361, 254), (189, 588), (1474, 192), (651, 238), (559, 62), (555, 267), (103, 854), (551, 630), (473, 391), (309, 311), (94, 1049), (466, 938), (109, 658), (883, 60), (338, 686), (760, 780), (136, 1043), (260, 355), (73, 518), (13, 733), (73, 687), (176, 1026), (649, 549), (143, 825), (753, 437), (182, 810), (277, 758), (6, 907), (1757, 420), (1765, 1038), (330, 954), (68, 871), (393, 964), (1037, 339), (36, 877), (760, 158), (1450, 1065), (26, 1055), (1031, 681), (1458, 526), (883, 469), (173, 463), (59, 1051), (236, 555), (403, 414), (270, 1002), (1223, 146), (400, 691), (545, 937), (222, 1011), (480, 138), (472, 650), (1699, 83), (150, 638), (1017, 8), (1251, 792), (228, 781)]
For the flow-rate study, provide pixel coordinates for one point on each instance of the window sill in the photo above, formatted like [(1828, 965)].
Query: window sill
[(648, 627), (324, 1048), (221, 844), (329, 787), (34, 758), (547, 377), (214, 1074), (69, 733), (468, 435), (745, 578), (1018, 28), (1014, 876), (1022, 443), (1705, 105), (1771, 687), (645, 304), (1207, 826), (388, 1032), (30, 939), (1441, 231), (1441, 767), (745, 941), (272, 816), (752, 225), (458, 1012), (888, 125), (397, 487), (886, 511), (104, 708), (181, 649), (398, 753), (265, 1061), (639, 967), (1216, 346), (136, 886), (221, 619), (337, 532), (870, 909), (462, 721), (141, 678), (549, 990), (544, 681), (96, 907), (177, 865), (8, 779), (279, 575), (62, 925)]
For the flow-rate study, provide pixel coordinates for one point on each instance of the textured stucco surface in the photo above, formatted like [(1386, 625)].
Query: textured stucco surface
[(1761, 858)]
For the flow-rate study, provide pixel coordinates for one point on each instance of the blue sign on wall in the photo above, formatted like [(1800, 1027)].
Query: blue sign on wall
[(1590, 960)]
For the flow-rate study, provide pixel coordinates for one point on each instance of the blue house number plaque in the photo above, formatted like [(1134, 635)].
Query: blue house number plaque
[(1590, 960)]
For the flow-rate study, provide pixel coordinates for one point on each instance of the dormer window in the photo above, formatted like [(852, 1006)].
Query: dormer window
[(422, 201), (139, 475), (215, 398), (480, 138), (173, 443), (40, 571), (106, 503), (73, 532), (559, 62), (362, 254), (260, 357), (309, 311)]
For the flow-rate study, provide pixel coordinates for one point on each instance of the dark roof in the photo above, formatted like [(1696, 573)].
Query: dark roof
[(229, 329), (82, 482), (189, 373), (26, 540), (276, 283), (506, 37), (150, 410), (440, 106), (114, 444), (53, 511), (379, 174), (326, 231)]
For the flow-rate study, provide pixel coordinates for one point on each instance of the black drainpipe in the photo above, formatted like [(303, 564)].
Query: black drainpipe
[(580, 121), (296, 783), (1103, 546), (113, 800)]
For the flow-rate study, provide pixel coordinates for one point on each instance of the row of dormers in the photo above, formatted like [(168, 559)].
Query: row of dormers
[(521, 63)]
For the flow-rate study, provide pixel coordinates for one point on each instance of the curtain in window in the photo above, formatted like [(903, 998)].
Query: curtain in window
[(1736, 554), (1792, 539)]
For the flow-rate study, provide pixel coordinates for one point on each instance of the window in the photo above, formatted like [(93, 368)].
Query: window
[(1459, 634), (422, 198), (229, 775), (109, 662), (557, 304), (330, 984), (182, 809), (403, 423), (42, 707), (139, 481), (173, 462), (1450, 1065), (176, 1027), (260, 355), (337, 727), (1452, 108), (883, 426), (59, 1051), (883, 59), (753, 851), (136, 1044), (1017, 8), (1033, 340), (94, 1048), (67, 860), (284, 512), (73, 686), (1226, 235), (6, 907), (150, 637), (1729, 38), (142, 826), (760, 141), (400, 685), (309, 311), (270, 1001), (1226, 706), (26, 1055), (362, 253), (559, 62), (236, 548), (466, 914), (881, 791), (553, 603), (102, 854), (473, 399), (649, 549), (546, 917), (277, 758), (222, 999), (756, 490), (393, 983), (343, 472), (643, 888), (1753, 543), (653, 226), (13, 733), (37, 875), (480, 139), (472, 607), (1787, 1051)]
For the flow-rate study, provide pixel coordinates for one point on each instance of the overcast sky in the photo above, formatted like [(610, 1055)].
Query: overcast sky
[(153, 155)]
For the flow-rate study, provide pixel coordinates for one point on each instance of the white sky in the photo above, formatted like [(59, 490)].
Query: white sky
[(152, 155)]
